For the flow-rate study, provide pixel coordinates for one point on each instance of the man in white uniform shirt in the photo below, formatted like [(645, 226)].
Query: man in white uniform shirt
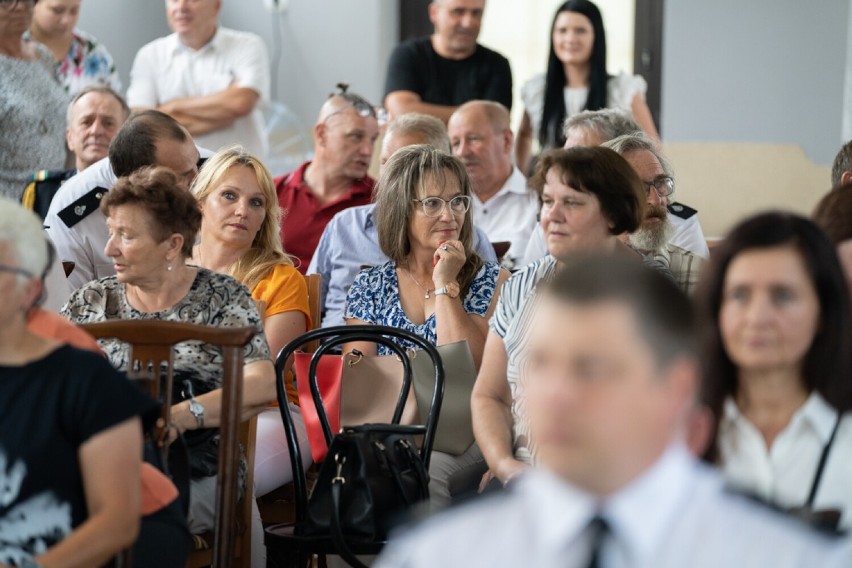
[(75, 223), (503, 207), (610, 379), (211, 79)]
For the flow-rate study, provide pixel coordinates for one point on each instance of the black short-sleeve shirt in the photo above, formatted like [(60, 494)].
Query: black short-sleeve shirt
[(415, 66), (49, 408)]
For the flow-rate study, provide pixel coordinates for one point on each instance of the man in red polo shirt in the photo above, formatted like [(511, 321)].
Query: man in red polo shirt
[(345, 134)]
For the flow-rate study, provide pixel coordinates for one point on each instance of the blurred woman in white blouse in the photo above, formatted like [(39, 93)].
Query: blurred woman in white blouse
[(777, 366)]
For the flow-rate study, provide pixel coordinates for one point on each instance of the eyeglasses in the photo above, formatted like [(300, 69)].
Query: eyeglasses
[(434, 206), (6, 267), (12, 4), (359, 103), (663, 185)]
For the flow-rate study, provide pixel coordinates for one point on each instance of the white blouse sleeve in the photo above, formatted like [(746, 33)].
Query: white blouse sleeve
[(532, 94), (623, 88)]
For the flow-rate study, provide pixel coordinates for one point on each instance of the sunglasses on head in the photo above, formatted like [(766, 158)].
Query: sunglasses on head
[(359, 103)]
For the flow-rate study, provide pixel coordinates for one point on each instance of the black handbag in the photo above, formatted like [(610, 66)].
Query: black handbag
[(371, 475)]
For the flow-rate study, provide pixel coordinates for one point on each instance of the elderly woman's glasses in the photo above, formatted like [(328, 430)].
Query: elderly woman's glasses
[(434, 206), (14, 269), (663, 185), (12, 4)]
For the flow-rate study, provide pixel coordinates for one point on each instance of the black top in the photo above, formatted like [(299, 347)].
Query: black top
[(415, 66), (48, 409), (43, 188)]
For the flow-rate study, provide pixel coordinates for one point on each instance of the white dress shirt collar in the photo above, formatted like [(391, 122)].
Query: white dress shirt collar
[(815, 414), (176, 45), (564, 511)]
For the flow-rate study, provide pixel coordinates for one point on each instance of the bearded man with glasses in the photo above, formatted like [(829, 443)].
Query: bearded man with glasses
[(654, 237)]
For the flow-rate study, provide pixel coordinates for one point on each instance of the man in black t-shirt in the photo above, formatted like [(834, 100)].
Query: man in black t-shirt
[(435, 74)]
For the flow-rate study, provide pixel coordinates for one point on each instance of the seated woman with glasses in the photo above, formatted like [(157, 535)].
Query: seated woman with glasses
[(435, 285)]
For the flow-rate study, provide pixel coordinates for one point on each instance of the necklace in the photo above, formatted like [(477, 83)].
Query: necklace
[(427, 290)]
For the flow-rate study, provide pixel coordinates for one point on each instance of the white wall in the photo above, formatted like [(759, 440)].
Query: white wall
[(123, 27), (767, 71), (323, 42)]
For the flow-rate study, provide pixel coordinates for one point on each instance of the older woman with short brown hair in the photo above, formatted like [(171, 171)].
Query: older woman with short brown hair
[(589, 197), (152, 225)]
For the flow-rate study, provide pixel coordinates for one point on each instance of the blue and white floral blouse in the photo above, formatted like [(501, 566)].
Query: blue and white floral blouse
[(374, 298)]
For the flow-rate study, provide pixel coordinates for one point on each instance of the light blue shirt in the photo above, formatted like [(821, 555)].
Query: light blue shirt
[(350, 241), (675, 513)]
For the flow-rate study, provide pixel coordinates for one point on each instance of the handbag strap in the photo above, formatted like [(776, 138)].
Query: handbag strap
[(402, 446), (336, 531), (338, 481), (821, 466), (417, 464)]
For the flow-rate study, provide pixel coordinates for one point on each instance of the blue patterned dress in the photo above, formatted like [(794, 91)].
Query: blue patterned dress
[(374, 299)]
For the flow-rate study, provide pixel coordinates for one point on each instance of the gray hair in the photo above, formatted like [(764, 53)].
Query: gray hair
[(639, 141), (431, 129), (96, 89), (22, 230), (842, 163), (607, 123)]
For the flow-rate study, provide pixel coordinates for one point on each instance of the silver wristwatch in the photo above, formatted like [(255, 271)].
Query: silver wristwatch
[(197, 410), (29, 563)]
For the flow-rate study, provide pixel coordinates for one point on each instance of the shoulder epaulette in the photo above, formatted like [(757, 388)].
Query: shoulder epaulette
[(82, 207), (59, 175), (681, 210), (825, 522)]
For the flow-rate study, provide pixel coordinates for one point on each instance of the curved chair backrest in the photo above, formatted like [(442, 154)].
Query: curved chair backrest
[(151, 347), (330, 338)]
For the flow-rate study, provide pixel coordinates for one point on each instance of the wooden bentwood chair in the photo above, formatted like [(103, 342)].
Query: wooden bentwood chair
[(286, 542), (151, 351)]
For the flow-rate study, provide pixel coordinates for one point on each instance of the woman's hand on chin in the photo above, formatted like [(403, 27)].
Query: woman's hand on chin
[(448, 260)]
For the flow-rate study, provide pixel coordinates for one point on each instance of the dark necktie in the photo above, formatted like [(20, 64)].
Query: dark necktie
[(599, 529)]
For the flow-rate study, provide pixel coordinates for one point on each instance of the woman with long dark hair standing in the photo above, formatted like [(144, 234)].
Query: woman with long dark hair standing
[(576, 80)]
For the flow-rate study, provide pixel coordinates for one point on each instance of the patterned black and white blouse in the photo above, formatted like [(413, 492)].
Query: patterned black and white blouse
[(213, 299)]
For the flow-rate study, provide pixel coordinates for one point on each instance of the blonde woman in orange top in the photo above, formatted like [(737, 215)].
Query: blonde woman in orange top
[(239, 236)]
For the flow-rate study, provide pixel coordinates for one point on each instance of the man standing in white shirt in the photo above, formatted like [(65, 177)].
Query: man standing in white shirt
[(610, 381), (211, 79), (480, 136)]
